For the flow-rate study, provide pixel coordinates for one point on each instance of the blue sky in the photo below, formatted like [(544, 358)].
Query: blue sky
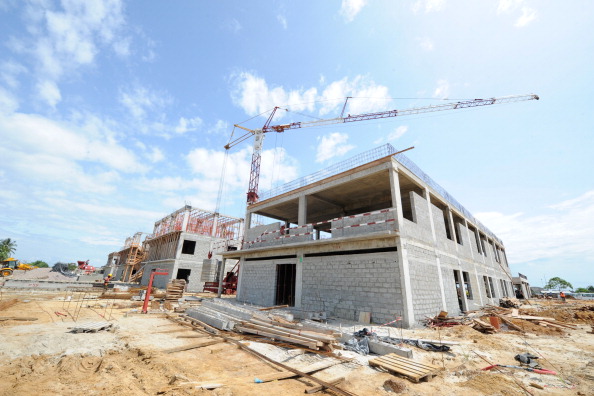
[(115, 113)]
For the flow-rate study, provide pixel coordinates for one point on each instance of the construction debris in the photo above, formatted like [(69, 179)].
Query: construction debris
[(507, 302), (92, 327)]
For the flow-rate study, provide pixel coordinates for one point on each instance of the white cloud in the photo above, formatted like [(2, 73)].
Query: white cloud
[(67, 36), (140, 100), (392, 136), (254, 95), (8, 102), (564, 231), (397, 133), (220, 127), (443, 89), (156, 155), (49, 91), (207, 165), (506, 6), (233, 25), (9, 72), (33, 135), (428, 6), (282, 20), (350, 8), (426, 44), (188, 124), (333, 145), (528, 15)]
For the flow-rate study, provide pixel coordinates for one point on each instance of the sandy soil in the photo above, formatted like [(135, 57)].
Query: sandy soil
[(42, 356)]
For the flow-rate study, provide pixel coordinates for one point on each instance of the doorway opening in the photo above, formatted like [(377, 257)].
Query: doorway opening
[(285, 284)]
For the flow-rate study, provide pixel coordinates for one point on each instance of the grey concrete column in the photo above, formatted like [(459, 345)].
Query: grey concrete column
[(302, 215), (299, 280), (437, 260), (248, 222), (405, 284), (469, 240), (221, 277)]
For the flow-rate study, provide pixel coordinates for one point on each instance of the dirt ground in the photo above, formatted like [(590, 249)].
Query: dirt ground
[(42, 356)]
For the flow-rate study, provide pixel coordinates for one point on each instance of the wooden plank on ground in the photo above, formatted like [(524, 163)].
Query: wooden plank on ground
[(312, 344), (322, 365), (20, 318), (415, 371), (193, 346), (318, 388)]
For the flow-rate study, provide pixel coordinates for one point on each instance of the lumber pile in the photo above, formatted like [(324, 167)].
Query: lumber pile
[(414, 371), (175, 290), (312, 338)]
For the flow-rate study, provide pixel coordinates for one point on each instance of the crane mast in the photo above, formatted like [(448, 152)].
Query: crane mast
[(252, 194)]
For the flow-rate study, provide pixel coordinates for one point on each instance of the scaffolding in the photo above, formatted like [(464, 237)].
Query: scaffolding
[(131, 256)]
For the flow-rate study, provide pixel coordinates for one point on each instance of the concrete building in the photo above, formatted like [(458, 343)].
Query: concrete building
[(186, 243), (371, 235), (521, 286)]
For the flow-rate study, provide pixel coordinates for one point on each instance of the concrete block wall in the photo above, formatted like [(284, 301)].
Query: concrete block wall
[(451, 295), (209, 269), (195, 283), (258, 282), (344, 286), (271, 231), (203, 245), (301, 238), (464, 249), (347, 232), (160, 281), (424, 280), (421, 228)]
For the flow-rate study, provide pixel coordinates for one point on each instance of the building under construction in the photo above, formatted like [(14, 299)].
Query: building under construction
[(371, 237), (186, 243)]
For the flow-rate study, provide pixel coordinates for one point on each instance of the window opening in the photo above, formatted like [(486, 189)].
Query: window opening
[(467, 285), (492, 287), (487, 288), (188, 247)]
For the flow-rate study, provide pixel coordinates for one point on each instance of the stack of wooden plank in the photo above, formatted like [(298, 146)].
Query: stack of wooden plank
[(414, 371), (310, 337), (175, 290)]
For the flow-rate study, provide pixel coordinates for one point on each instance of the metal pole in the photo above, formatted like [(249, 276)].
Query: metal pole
[(150, 286)]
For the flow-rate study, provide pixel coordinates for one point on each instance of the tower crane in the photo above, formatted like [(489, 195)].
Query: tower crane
[(252, 194)]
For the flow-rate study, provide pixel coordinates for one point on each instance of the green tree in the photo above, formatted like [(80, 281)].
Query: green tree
[(39, 264), (7, 248), (589, 289), (557, 283)]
